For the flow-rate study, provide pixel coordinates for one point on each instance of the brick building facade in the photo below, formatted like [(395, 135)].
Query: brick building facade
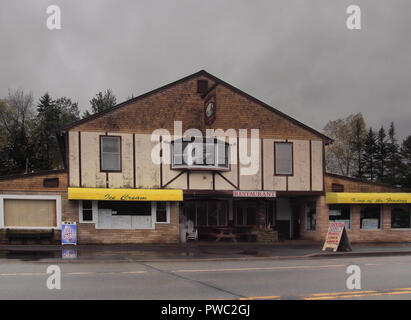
[(116, 191)]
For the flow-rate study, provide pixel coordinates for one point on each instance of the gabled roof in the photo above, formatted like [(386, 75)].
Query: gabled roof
[(213, 78)]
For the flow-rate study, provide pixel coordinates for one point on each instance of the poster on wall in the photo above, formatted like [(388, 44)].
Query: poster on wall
[(337, 238), (69, 233)]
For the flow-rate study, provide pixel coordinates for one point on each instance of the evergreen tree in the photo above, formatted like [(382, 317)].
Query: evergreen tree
[(381, 155), (47, 118), (406, 162), (369, 156), (393, 158), (358, 139), (52, 115)]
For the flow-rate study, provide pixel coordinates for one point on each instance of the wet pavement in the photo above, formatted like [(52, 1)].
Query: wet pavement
[(191, 251)]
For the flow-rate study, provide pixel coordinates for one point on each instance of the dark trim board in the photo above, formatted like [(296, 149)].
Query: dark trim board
[(178, 175), (134, 160), (79, 159), (299, 193), (228, 181)]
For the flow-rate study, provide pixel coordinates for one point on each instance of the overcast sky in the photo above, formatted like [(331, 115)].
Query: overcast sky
[(297, 56)]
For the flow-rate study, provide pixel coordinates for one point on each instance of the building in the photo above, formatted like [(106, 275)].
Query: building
[(138, 170)]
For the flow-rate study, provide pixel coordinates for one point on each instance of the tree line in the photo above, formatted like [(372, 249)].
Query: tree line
[(30, 137), (367, 154)]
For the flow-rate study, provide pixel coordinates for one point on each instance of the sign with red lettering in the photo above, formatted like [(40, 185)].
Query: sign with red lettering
[(337, 238), (254, 194)]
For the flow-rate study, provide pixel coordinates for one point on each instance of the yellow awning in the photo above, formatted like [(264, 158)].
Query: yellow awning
[(367, 198), (125, 194)]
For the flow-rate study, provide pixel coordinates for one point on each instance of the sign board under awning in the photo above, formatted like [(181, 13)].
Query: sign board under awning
[(125, 194), (367, 198)]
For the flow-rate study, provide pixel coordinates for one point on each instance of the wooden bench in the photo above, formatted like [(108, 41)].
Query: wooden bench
[(24, 235)]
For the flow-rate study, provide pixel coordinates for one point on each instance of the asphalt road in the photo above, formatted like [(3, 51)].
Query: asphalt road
[(381, 278)]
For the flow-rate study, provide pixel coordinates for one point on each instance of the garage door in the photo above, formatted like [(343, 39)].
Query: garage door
[(29, 213)]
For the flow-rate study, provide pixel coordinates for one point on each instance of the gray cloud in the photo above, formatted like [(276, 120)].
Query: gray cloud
[(295, 55)]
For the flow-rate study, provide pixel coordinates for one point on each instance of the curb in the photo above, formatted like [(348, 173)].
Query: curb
[(359, 254)]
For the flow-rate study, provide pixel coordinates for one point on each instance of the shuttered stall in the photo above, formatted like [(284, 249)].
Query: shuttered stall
[(29, 213)]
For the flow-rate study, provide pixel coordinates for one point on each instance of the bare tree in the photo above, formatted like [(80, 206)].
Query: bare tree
[(342, 155), (16, 115)]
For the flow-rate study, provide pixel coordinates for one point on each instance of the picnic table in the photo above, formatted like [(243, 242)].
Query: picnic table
[(225, 233)]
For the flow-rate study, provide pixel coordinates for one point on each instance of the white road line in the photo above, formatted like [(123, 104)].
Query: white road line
[(69, 273), (78, 273), (22, 274), (261, 268)]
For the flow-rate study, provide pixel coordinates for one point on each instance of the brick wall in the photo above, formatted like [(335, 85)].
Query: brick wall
[(355, 185), (182, 102), (356, 234), (33, 185), (163, 233)]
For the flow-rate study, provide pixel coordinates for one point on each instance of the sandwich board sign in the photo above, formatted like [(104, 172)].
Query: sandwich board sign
[(69, 233), (337, 238)]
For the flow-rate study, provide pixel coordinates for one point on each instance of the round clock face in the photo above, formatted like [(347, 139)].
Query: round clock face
[(210, 109)]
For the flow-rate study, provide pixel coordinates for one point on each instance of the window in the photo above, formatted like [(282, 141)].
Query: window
[(127, 208), (283, 158), (400, 216), (86, 211), (207, 213), (22, 211), (311, 214), (270, 214), (162, 212), (110, 147), (245, 214), (370, 217), (202, 86), (251, 216), (340, 213), (29, 213), (208, 154)]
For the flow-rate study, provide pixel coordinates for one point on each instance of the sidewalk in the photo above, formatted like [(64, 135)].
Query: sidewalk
[(195, 251)]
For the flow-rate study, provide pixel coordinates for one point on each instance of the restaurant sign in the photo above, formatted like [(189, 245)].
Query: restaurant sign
[(254, 194)]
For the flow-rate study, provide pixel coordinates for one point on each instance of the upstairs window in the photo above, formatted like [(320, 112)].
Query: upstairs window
[(208, 154), (110, 147), (283, 158)]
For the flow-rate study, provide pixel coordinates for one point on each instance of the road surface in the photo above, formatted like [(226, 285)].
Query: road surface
[(381, 278)]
